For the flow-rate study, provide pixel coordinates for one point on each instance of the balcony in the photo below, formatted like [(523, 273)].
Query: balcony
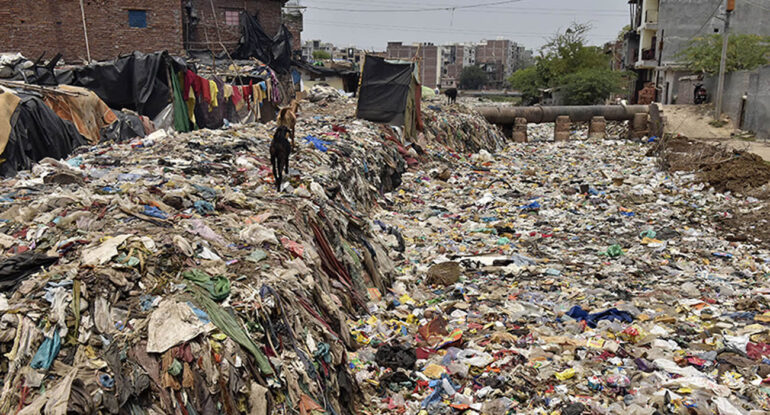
[(650, 20), (647, 60)]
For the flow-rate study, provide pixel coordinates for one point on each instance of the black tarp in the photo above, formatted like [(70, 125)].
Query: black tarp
[(274, 52), (282, 50), (138, 81), (127, 127), (15, 269), (384, 90), (36, 133)]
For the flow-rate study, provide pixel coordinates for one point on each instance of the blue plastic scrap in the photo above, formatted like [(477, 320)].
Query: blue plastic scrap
[(530, 206), (611, 314), (318, 143), (438, 390), (154, 212), (47, 352), (106, 381), (203, 207)]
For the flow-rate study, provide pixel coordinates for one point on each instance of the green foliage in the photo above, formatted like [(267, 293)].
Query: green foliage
[(744, 52), (623, 31), (472, 77), (591, 86), (566, 61), (527, 81), (321, 54)]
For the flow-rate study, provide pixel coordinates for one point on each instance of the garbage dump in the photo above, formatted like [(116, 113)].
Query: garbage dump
[(568, 278), (166, 275), (451, 273)]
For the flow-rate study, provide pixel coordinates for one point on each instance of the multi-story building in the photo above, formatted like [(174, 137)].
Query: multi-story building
[(453, 59), (522, 57), (443, 65), (34, 27), (427, 54), (661, 29), (496, 58), (311, 46)]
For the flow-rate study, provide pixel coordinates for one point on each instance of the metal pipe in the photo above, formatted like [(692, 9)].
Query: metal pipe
[(538, 114)]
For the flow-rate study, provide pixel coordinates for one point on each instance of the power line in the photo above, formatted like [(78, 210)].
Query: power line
[(708, 19), (430, 29), (496, 10), (757, 5), (427, 9)]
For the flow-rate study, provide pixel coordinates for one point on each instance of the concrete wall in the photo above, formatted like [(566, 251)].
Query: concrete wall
[(679, 21), (756, 86)]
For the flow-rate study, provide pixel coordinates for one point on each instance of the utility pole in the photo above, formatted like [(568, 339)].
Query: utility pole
[(723, 61)]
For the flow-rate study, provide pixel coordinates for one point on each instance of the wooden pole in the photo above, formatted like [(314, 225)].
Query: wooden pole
[(85, 30)]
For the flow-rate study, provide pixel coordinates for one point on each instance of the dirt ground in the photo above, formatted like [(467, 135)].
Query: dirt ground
[(692, 121), (760, 148)]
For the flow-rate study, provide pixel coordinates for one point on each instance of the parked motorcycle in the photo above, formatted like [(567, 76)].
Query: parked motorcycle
[(700, 96)]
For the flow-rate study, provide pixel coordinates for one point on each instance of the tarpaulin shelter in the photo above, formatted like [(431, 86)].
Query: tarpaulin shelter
[(139, 81), (33, 132), (390, 94), (83, 108), (255, 43)]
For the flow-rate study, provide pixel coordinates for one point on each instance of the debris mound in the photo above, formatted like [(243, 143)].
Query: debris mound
[(724, 169), (151, 276)]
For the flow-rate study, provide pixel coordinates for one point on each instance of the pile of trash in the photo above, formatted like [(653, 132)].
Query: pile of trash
[(458, 128), (166, 275), (568, 277)]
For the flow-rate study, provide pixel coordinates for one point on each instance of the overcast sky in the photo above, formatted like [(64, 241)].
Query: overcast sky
[(528, 22)]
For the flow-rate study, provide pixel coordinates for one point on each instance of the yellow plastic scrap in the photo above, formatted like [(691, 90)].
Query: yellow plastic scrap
[(566, 374), (595, 342), (405, 299), (433, 371)]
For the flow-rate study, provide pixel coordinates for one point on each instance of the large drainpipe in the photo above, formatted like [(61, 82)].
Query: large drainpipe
[(538, 114)]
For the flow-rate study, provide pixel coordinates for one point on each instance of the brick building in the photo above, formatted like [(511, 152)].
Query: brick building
[(428, 54), (455, 58), (496, 58), (33, 27)]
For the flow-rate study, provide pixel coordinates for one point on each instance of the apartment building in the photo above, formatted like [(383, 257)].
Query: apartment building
[(660, 29)]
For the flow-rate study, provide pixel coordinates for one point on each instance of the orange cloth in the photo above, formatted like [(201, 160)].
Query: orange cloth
[(86, 110)]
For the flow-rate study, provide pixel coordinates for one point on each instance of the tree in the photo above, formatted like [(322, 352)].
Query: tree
[(472, 77), (321, 54), (528, 83), (565, 61), (591, 86), (744, 52)]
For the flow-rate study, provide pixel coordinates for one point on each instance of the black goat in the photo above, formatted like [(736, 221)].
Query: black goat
[(280, 149)]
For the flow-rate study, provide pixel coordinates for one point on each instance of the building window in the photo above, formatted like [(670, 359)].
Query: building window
[(137, 18), (232, 17)]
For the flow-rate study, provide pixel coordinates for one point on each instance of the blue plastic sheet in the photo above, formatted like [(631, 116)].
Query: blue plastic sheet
[(154, 212), (47, 352), (578, 313), (318, 143)]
